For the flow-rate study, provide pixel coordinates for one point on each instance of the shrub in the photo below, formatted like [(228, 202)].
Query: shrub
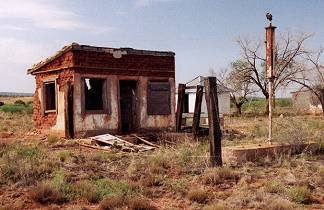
[(95, 190), (279, 204), (214, 206), (13, 108), (60, 183), (52, 139), (160, 162), (20, 102), (152, 180), (138, 203), (299, 194), (2, 103), (112, 187), (87, 190), (215, 176), (46, 192), (198, 195), (111, 203), (64, 155), (291, 131), (177, 185), (274, 187)]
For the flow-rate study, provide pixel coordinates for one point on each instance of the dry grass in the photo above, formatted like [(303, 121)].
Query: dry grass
[(215, 206), (139, 203), (299, 194), (215, 176), (11, 100), (279, 204), (46, 192), (198, 195), (112, 202), (274, 187), (158, 179)]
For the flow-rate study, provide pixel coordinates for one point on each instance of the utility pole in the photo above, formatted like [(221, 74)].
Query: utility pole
[(270, 67)]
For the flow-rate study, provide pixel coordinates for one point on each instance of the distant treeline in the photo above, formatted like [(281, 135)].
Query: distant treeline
[(16, 94)]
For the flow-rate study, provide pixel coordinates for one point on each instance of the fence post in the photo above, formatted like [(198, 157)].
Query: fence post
[(196, 117), (181, 95), (215, 133)]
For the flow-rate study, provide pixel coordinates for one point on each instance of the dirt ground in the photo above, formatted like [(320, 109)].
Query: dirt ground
[(45, 172)]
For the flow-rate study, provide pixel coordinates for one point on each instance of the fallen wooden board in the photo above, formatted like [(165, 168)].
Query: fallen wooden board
[(143, 140), (93, 147), (120, 143)]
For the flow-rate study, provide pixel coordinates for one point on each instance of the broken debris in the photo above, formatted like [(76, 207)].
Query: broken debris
[(108, 141)]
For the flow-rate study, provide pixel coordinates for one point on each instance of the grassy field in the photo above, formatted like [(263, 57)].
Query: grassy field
[(59, 174)]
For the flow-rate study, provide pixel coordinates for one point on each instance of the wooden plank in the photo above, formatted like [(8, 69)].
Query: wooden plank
[(94, 147), (181, 95), (143, 140), (215, 133), (118, 142), (196, 118)]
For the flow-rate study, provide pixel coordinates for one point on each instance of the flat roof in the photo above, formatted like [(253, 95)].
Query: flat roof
[(78, 47)]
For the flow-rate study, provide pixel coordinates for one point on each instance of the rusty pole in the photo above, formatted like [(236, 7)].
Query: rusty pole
[(270, 68)]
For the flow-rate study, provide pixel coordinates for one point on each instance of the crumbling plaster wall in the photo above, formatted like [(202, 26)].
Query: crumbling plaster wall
[(55, 121), (86, 124)]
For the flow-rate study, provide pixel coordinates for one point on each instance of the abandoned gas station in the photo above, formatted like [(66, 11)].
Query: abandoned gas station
[(85, 90)]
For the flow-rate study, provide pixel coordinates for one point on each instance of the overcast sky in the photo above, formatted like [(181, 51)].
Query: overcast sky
[(202, 33)]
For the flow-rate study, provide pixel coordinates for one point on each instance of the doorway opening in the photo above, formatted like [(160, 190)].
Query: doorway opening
[(128, 95)]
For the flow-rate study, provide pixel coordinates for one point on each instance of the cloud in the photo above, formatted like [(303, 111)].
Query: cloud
[(42, 14), (17, 51), (146, 3), (16, 57)]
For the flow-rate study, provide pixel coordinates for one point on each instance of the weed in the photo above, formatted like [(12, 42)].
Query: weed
[(161, 161), (279, 204), (290, 131), (52, 139), (17, 108), (299, 194), (274, 187), (177, 186), (214, 206), (60, 183), (111, 202), (215, 176), (46, 192), (95, 190), (24, 164), (20, 102), (64, 155), (139, 203), (152, 180), (260, 131), (198, 195), (87, 190)]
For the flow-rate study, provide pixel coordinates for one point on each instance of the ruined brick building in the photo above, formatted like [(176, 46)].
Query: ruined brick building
[(85, 90)]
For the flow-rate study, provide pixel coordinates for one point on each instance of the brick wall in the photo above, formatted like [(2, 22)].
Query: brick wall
[(131, 64), (49, 119), (64, 61)]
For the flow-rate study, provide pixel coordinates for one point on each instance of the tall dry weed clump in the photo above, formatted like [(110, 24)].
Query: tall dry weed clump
[(291, 131)]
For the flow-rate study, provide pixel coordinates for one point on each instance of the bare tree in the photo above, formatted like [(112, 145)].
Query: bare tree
[(312, 75), (240, 87), (289, 49)]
